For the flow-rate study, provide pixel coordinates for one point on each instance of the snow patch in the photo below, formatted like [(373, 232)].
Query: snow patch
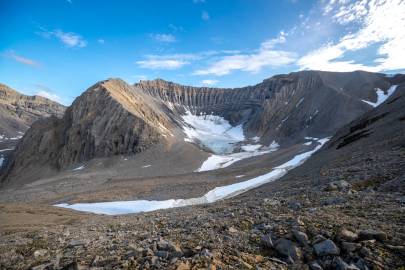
[(215, 162), (239, 176), (212, 131), (146, 166), (79, 168), (216, 194), (381, 96), (299, 102), (251, 147)]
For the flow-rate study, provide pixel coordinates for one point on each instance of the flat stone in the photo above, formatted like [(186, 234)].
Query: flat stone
[(162, 254), (76, 242), (372, 234), (350, 247), (326, 247)]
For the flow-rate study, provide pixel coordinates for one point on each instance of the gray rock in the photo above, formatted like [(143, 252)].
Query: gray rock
[(267, 241), (301, 237), (326, 247), (162, 254), (372, 234), (350, 247), (315, 266), (294, 205), (333, 201), (288, 249), (40, 253), (340, 264), (76, 242), (318, 238), (206, 253), (348, 235)]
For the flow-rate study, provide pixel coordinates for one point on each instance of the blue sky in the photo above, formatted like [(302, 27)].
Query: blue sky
[(58, 48)]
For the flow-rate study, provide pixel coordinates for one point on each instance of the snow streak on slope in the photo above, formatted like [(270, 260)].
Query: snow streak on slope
[(381, 96), (221, 161), (218, 193), (212, 131)]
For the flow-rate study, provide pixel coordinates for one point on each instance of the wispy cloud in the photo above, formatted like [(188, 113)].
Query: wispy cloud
[(70, 39), (198, 1), (159, 62), (169, 38), (21, 59), (380, 23), (209, 82), (179, 60), (205, 15), (46, 92), (101, 41), (265, 56)]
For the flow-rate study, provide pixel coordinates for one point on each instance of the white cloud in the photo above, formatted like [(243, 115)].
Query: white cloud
[(265, 56), (70, 39), (380, 23), (169, 38), (209, 82), (161, 63), (205, 15), (49, 95), (176, 61), (22, 59)]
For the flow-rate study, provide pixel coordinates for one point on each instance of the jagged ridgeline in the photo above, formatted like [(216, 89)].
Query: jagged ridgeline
[(114, 118)]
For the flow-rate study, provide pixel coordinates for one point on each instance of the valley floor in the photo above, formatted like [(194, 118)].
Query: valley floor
[(307, 219)]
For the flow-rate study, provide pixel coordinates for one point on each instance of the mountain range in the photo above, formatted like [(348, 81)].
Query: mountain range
[(302, 170)]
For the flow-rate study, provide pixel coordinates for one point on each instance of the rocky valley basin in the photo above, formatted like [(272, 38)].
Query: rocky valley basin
[(201, 134)]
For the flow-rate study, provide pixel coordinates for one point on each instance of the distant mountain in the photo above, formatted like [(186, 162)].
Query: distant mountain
[(18, 111), (113, 118)]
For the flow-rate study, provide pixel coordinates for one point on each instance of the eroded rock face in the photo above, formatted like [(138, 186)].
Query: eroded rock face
[(110, 118), (285, 108), (18, 112)]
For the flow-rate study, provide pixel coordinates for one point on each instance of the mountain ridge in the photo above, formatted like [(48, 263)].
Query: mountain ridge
[(114, 118)]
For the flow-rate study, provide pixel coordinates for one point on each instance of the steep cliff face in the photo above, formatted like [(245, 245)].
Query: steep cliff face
[(285, 108), (110, 118), (18, 112), (233, 104)]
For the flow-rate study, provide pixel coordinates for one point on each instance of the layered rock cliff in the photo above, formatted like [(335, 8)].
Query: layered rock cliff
[(110, 118), (18, 111), (285, 108)]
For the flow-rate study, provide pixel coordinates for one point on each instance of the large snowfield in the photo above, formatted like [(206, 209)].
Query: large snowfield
[(217, 134), (216, 194)]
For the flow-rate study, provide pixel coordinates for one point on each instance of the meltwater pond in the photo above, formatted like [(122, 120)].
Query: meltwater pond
[(216, 194)]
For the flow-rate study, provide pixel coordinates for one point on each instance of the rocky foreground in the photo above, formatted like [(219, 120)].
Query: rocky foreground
[(336, 227)]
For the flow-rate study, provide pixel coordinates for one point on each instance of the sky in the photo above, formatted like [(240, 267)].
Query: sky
[(59, 48)]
